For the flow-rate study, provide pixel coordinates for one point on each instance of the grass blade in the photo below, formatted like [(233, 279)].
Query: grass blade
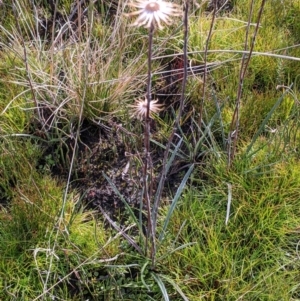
[(176, 249), (116, 191), (160, 186), (121, 231), (265, 121), (174, 202), (176, 287), (161, 286), (228, 203)]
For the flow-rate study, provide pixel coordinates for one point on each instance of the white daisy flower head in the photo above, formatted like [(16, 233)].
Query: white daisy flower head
[(140, 108), (154, 12)]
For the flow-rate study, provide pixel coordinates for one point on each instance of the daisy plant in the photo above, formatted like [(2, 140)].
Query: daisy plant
[(150, 14)]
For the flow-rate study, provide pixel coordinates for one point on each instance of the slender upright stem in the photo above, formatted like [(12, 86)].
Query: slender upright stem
[(147, 173), (205, 63), (235, 122), (53, 39), (28, 74), (176, 125)]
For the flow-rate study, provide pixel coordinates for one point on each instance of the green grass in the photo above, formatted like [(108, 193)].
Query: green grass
[(254, 256), (52, 246), (41, 248)]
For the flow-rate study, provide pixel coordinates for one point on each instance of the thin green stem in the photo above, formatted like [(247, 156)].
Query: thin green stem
[(176, 124), (147, 173), (205, 62), (235, 123)]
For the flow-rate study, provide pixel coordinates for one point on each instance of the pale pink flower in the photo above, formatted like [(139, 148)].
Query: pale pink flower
[(154, 12), (140, 108)]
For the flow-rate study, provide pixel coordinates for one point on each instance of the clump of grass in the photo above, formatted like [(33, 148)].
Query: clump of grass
[(16, 164), (42, 254), (70, 69), (24, 223), (257, 250)]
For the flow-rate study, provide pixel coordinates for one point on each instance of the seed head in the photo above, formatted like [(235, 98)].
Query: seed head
[(140, 108)]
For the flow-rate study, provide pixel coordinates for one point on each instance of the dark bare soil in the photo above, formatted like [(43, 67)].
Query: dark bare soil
[(103, 152)]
